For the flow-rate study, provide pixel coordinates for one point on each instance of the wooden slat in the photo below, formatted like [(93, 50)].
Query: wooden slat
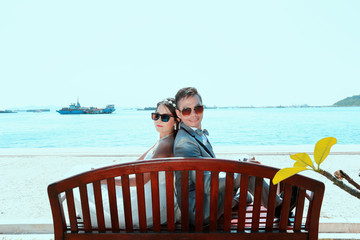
[(155, 200), (127, 203), (141, 201), (271, 207), (99, 206), (199, 186), (299, 209), (309, 210), (244, 182), (315, 206), (170, 200), (257, 204), (185, 201), (285, 208), (113, 206), (229, 192), (60, 205), (57, 211), (214, 200), (71, 210), (85, 208)]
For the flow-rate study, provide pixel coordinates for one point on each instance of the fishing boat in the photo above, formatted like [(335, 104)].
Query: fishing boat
[(78, 109)]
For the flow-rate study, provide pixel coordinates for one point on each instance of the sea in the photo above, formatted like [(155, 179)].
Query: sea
[(227, 127)]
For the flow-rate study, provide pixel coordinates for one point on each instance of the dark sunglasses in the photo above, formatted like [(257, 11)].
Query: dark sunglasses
[(164, 117), (187, 111)]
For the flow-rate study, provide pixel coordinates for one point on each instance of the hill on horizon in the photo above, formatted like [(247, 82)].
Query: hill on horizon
[(348, 102)]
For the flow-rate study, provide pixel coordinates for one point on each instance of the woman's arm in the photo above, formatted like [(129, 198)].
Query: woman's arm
[(144, 154), (132, 180), (164, 150)]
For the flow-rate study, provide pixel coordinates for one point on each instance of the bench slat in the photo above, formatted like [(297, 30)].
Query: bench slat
[(141, 201), (313, 218), (155, 200), (71, 209), (169, 176), (199, 200), (85, 207), (299, 209), (244, 182), (214, 200), (229, 192), (113, 205), (285, 207), (271, 207), (99, 206), (185, 201), (127, 202), (257, 203)]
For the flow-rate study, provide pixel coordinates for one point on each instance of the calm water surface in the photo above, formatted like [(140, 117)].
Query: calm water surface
[(246, 126)]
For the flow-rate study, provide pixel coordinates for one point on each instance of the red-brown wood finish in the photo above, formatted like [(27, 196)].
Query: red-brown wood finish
[(244, 221)]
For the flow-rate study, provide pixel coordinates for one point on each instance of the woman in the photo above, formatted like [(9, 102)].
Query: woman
[(166, 123)]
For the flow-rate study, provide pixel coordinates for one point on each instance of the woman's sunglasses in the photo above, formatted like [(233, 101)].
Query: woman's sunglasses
[(164, 117), (187, 111)]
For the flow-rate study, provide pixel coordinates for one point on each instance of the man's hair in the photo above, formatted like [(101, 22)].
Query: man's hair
[(185, 93)]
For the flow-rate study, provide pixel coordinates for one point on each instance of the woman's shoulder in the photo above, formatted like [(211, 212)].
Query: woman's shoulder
[(164, 148)]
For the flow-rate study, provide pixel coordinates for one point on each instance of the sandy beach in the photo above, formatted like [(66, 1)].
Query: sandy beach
[(26, 173)]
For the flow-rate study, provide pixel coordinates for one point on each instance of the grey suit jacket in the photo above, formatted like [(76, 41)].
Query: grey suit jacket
[(186, 145)]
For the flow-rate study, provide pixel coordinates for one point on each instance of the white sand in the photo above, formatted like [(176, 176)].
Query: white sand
[(26, 173)]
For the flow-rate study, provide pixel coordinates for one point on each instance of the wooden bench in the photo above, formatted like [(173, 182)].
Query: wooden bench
[(242, 222)]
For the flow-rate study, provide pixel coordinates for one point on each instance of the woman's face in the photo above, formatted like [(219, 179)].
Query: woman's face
[(164, 128)]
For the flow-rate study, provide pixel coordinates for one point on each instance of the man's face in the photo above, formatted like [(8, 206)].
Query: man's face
[(194, 119)]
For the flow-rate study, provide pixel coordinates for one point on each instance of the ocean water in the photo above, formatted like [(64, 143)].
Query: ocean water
[(227, 127)]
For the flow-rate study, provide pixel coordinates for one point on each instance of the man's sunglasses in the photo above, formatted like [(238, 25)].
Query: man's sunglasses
[(164, 117), (187, 111)]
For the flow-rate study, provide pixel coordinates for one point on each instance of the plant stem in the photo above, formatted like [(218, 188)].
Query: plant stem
[(340, 184), (349, 179)]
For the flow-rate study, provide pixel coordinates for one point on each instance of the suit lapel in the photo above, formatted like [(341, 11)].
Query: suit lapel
[(209, 147)]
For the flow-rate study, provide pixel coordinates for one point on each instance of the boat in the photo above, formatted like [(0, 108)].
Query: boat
[(7, 111), (78, 109)]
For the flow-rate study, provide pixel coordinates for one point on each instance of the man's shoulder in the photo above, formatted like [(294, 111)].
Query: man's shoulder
[(181, 135), (183, 140)]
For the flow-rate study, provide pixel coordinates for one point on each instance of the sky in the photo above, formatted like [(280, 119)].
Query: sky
[(136, 53)]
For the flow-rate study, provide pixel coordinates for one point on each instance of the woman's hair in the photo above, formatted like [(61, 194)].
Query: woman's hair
[(185, 93), (170, 104)]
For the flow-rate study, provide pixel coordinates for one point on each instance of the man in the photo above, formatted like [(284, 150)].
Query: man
[(191, 141)]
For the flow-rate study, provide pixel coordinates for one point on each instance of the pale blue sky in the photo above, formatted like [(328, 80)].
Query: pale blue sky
[(134, 53)]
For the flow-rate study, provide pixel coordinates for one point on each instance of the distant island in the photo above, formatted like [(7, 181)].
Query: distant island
[(348, 102)]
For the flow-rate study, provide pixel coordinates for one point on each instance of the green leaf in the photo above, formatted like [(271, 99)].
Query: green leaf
[(302, 160), (286, 173), (322, 149)]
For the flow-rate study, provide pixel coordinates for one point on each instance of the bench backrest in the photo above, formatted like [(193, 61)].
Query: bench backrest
[(99, 218)]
